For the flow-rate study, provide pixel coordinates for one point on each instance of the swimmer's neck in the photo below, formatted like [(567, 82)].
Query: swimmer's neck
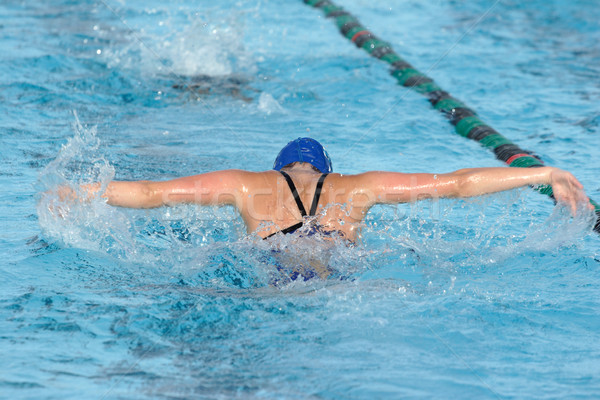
[(301, 168)]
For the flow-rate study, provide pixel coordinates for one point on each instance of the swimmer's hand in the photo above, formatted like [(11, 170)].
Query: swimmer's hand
[(62, 198), (68, 195), (568, 190)]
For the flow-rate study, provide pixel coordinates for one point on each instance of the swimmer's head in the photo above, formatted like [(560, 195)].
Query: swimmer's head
[(304, 150)]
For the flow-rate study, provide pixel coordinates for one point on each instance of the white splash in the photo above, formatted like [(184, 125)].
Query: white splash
[(67, 213), (268, 105), (196, 48)]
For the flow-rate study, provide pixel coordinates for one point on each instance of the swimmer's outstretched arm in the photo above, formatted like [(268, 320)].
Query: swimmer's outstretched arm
[(212, 188), (390, 187)]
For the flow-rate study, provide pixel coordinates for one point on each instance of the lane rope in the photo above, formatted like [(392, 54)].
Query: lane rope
[(466, 121)]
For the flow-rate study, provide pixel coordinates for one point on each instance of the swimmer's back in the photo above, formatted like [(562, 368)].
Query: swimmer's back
[(268, 205)]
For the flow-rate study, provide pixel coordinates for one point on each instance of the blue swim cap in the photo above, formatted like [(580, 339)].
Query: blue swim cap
[(304, 150)]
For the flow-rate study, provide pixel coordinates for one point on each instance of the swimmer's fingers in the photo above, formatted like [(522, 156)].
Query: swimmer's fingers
[(61, 199), (60, 211), (55, 202), (66, 193), (581, 199), (85, 193), (566, 200), (575, 199), (572, 203), (568, 190), (584, 200)]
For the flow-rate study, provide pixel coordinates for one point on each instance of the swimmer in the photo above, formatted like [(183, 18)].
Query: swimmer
[(204, 85), (302, 190)]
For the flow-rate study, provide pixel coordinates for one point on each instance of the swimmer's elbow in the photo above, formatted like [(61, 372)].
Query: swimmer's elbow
[(459, 184), (473, 182)]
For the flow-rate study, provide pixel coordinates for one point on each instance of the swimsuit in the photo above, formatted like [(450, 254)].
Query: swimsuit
[(292, 271), (313, 207)]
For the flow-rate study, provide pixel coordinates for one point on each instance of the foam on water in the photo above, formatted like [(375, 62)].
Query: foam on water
[(207, 241), (89, 224), (183, 43), (210, 246), (268, 105)]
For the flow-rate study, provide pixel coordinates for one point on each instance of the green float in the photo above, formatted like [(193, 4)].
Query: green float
[(464, 119)]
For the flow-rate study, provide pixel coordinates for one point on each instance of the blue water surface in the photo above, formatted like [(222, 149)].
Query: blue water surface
[(489, 298)]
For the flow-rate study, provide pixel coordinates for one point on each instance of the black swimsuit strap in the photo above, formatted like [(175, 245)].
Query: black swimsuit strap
[(289, 229), (290, 183), (313, 207)]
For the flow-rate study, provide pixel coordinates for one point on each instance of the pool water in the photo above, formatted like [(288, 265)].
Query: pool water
[(492, 297)]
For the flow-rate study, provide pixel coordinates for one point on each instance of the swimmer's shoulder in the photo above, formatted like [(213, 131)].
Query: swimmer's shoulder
[(245, 174), (348, 180), (333, 179), (253, 180), (363, 179)]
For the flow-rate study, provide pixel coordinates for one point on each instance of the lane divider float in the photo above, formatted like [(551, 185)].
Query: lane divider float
[(466, 121)]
